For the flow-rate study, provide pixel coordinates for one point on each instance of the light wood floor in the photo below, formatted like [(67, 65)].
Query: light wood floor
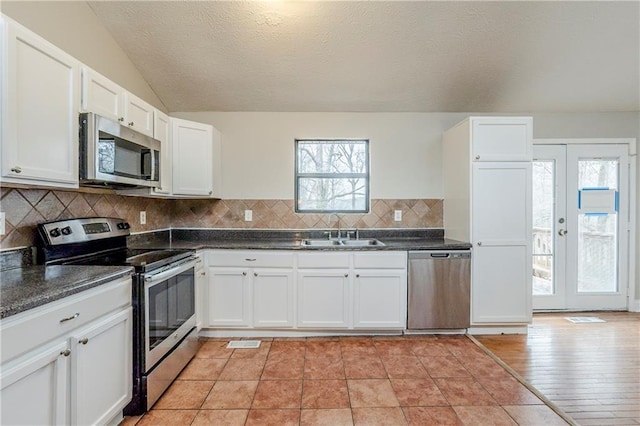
[(591, 371)]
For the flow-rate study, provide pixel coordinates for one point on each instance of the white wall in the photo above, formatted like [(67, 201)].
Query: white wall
[(258, 149), (73, 27)]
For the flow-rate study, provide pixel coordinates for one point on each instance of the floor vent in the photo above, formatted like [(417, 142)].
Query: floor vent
[(243, 344), (584, 320)]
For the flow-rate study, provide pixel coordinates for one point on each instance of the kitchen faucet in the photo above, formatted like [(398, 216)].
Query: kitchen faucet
[(337, 224)]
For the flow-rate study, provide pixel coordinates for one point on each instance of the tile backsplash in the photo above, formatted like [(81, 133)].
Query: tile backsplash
[(25, 208)]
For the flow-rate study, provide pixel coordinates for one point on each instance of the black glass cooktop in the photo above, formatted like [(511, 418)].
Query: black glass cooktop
[(141, 260)]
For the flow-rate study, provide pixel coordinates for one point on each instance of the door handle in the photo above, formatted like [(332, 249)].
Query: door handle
[(562, 232)]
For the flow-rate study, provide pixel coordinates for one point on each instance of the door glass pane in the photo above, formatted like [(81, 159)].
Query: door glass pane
[(597, 232), (543, 219)]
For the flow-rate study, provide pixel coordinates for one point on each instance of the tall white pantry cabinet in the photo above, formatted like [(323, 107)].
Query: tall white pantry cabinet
[(487, 199)]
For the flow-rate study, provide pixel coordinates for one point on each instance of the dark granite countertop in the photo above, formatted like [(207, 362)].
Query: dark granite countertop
[(404, 240), (32, 286)]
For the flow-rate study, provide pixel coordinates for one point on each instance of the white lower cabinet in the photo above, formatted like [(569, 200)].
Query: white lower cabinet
[(322, 290), (101, 365), (35, 389), (323, 300), (380, 298), (80, 374), (229, 296), (272, 298)]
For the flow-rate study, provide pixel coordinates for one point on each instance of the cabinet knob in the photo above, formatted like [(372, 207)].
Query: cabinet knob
[(346, 275), (16, 169), (357, 275), (121, 119), (131, 123), (203, 273), (255, 274), (210, 192), (477, 157), (479, 243), (83, 341), (244, 274), (66, 352), (72, 317)]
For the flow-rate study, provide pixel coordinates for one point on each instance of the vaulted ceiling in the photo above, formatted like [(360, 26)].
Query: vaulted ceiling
[(419, 56)]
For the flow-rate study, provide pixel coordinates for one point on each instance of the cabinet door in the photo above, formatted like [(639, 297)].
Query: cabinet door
[(40, 91), (502, 138), (273, 298), (323, 298), (101, 370), (192, 158), (162, 132), (35, 388), (138, 114), (501, 235), (101, 95), (501, 285), (229, 297), (380, 299)]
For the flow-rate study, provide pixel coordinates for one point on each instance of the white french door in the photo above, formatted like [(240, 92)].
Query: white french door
[(580, 221)]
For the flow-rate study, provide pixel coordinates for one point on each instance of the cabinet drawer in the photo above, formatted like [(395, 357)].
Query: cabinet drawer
[(250, 258), (37, 326), (323, 260), (386, 260)]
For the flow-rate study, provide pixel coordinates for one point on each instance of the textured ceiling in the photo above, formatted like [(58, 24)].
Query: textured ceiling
[(383, 56)]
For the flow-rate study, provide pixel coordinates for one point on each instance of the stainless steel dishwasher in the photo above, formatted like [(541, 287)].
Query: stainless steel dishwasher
[(439, 289)]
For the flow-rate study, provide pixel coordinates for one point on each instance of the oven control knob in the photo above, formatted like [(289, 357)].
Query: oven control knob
[(55, 232), (123, 225), (66, 230)]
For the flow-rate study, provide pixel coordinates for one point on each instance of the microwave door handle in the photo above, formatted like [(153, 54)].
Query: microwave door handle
[(152, 279)]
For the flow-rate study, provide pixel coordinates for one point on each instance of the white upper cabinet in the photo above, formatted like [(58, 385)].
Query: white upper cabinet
[(501, 138), (40, 96), (101, 95), (138, 114), (192, 157), (108, 99)]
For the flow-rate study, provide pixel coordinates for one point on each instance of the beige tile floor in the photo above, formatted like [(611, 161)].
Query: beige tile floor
[(417, 380)]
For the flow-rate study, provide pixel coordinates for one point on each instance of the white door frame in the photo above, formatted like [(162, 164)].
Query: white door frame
[(633, 304)]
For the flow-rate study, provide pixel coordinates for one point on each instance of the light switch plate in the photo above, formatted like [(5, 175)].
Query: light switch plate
[(143, 217), (2, 226), (248, 215), (397, 215)]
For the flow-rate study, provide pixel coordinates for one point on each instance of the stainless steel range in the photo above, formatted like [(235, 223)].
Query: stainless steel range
[(164, 334)]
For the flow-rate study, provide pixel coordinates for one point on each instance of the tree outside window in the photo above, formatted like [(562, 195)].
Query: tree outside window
[(332, 176)]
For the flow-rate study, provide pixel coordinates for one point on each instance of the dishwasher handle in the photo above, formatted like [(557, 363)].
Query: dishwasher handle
[(439, 254)]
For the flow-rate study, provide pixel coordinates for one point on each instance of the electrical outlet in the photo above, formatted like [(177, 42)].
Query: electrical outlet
[(248, 215), (397, 215), (2, 226), (143, 218)]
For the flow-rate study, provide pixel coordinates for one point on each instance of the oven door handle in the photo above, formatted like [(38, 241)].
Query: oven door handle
[(150, 279)]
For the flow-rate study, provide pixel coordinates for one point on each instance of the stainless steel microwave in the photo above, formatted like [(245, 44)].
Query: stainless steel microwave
[(115, 156)]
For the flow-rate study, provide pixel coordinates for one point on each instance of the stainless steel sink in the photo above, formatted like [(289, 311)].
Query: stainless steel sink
[(342, 243), (362, 243), (321, 243)]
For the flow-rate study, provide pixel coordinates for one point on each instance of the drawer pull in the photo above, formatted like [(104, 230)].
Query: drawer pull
[(66, 352), (72, 317), (83, 341), (131, 123), (16, 169), (250, 260)]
